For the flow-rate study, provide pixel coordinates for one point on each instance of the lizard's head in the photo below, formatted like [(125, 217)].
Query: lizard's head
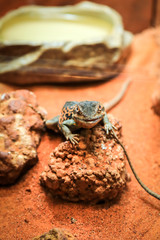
[(88, 113)]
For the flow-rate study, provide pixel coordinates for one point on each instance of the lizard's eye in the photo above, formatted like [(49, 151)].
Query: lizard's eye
[(99, 109), (78, 110)]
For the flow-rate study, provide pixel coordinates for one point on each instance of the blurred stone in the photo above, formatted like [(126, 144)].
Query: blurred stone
[(20, 132), (156, 99), (56, 234)]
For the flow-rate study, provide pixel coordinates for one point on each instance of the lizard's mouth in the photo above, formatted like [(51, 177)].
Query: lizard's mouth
[(88, 123), (92, 120), (89, 120)]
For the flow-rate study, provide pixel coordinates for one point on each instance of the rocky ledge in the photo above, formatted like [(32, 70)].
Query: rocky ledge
[(93, 170)]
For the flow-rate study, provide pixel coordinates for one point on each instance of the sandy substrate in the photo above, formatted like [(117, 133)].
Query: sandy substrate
[(26, 210)]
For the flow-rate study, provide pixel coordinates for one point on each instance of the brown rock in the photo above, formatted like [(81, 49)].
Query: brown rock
[(82, 145), (56, 234), (19, 134), (16, 105), (91, 175)]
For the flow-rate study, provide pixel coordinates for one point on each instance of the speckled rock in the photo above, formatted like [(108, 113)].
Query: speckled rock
[(156, 99), (20, 132), (56, 234), (93, 170)]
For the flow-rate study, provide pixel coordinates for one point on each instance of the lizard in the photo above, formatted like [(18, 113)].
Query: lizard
[(87, 114)]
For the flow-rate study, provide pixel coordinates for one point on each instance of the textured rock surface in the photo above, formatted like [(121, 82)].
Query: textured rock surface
[(20, 128), (93, 170), (56, 234)]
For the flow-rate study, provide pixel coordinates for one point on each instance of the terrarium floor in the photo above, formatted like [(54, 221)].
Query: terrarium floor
[(26, 210)]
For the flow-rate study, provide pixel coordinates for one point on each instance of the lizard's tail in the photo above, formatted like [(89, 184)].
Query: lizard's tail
[(118, 97), (135, 174)]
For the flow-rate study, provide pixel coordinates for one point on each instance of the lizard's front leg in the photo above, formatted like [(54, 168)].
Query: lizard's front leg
[(65, 128), (52, 123), (107, 125)]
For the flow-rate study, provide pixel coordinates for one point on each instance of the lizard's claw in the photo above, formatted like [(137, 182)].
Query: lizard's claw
[(114, 127), (109, 127), (74, 138)]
